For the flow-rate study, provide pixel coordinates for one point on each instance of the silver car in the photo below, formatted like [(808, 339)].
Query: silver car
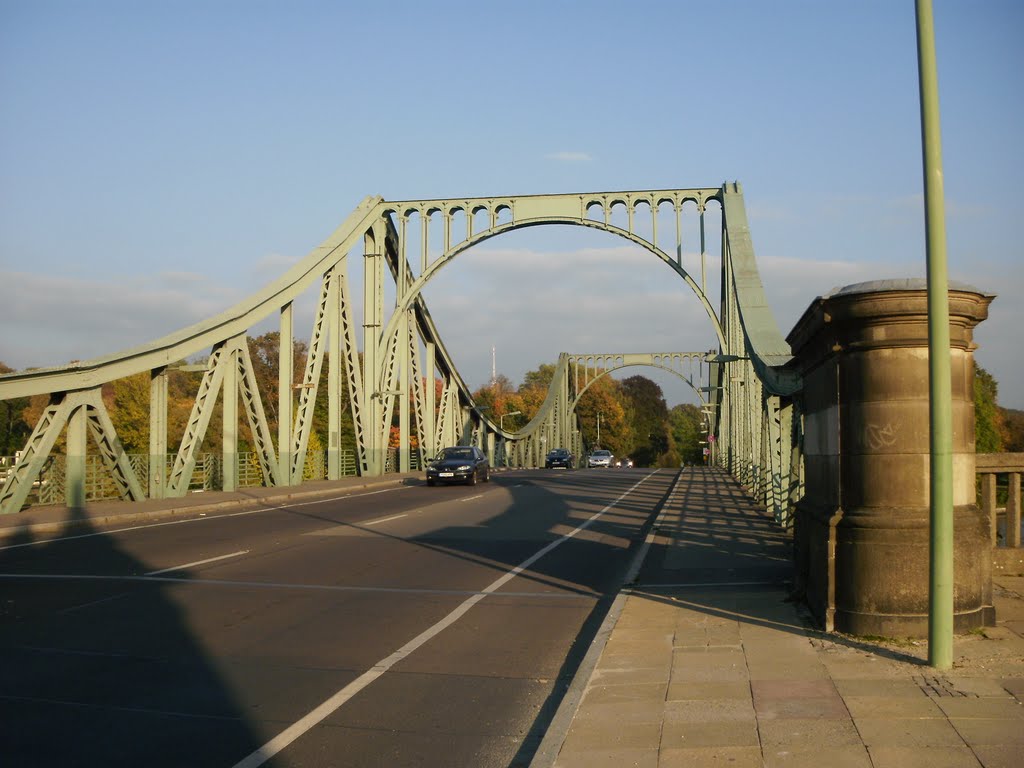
[(600, 458)]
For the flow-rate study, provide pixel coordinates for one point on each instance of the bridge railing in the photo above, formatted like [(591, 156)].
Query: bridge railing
[(999, 480), (754, 390), (206, 476)]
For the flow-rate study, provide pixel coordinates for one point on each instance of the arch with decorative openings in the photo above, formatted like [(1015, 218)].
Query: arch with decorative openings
[(402, 351)]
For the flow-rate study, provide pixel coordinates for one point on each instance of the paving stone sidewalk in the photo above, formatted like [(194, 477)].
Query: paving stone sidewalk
[(709, 664)]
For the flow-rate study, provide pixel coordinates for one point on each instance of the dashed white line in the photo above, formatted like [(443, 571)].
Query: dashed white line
[(109, 599), (383, 519), (331, 705), (197, 562)]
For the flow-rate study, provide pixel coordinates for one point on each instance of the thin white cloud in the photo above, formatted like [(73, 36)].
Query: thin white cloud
[(50, 320), (529, 303), (569, 157)]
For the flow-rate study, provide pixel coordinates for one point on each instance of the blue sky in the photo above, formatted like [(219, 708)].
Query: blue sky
[(161, 161)]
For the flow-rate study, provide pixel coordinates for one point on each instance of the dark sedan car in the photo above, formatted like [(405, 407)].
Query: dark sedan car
[(459, 464), (559, 457)]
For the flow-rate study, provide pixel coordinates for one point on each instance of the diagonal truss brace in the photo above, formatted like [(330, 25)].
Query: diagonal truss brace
[(37, 451), (418, 394), (49, 428), (110, 449), (254, 412), (311, 378), (350, 353), (198, 421)]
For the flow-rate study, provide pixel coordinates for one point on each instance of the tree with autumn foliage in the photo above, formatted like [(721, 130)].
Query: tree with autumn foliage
[(14, 430), (604, 396)]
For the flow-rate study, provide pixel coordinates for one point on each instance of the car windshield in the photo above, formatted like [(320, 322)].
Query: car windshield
[(602, 453), (559, 452), (456, 453)]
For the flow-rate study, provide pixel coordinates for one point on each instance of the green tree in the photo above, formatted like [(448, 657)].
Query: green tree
[(532, 392), (128, 406), (264, 351), (648, 417), (1013, 430), (14, 430), (987, 426), (684, 427), (541, 378)]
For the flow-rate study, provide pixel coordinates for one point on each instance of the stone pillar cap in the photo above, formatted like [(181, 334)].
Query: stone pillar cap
[(898, 284)]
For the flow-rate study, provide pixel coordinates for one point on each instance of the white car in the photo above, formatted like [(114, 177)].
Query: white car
[(600, 458)]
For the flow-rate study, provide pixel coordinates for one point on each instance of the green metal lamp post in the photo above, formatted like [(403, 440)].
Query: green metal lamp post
[(940, 607)]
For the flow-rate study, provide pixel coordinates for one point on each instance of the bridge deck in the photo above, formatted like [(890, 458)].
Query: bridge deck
[(706, 658)]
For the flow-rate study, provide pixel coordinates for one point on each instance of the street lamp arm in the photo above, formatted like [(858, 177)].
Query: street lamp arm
[(501, 418)]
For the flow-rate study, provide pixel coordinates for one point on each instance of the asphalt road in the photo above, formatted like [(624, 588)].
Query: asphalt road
[(408, 626)]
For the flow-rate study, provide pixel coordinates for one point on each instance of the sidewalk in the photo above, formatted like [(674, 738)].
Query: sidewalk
[(708, 665)]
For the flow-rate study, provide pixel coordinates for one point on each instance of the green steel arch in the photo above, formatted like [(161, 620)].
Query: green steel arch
[(749, 379), (605, 364), (540, 210)]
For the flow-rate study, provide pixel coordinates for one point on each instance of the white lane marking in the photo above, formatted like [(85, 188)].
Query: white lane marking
[(382, 519), (109, 599), (331, 705), (589, 595), (204, 518), (471, 498), (197, 562)]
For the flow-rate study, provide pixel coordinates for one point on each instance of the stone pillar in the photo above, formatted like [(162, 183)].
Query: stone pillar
[(862, 526)]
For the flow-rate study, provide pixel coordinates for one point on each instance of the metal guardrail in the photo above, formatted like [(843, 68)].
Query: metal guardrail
[(391, 461), (207, 475)]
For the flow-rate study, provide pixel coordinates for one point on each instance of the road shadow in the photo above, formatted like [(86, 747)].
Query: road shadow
[(106, 670), (723, 555), (98, 665)]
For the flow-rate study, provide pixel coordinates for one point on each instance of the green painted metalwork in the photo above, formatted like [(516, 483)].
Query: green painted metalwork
[(587, 369), (940, 607), (157, 433), (745, 386)]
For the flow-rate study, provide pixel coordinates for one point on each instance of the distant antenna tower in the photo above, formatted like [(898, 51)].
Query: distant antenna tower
[(494, 368)]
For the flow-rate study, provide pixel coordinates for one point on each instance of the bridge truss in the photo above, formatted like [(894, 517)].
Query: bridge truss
[(396, 371)]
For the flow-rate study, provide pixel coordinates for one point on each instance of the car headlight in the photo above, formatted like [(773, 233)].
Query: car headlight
[(463, 467)]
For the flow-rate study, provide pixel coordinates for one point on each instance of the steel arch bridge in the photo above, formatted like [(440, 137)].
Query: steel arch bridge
[(389, 375)]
